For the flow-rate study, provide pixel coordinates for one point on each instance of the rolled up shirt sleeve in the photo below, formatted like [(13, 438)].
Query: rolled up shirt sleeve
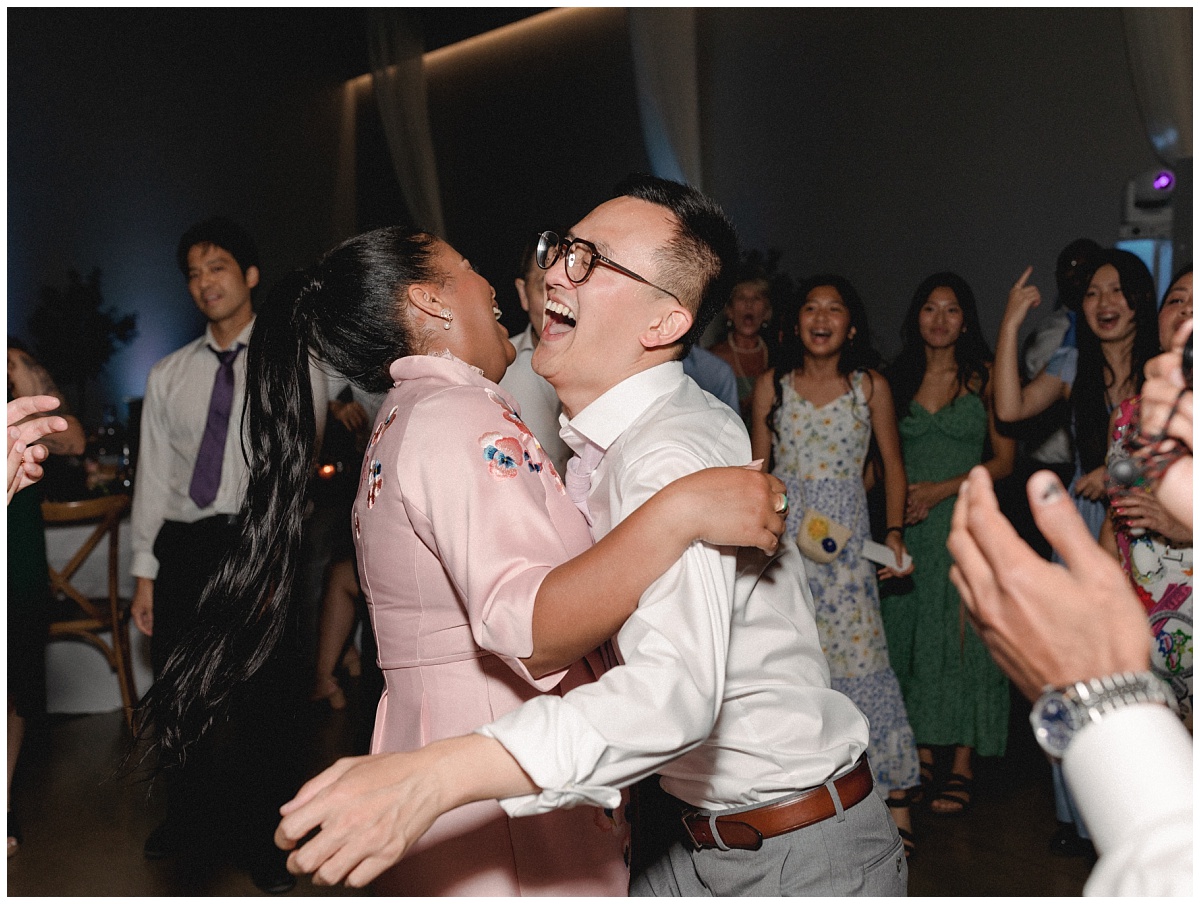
[(661, 703)]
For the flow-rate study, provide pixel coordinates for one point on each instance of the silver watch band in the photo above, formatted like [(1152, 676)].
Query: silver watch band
[(1101, 696)]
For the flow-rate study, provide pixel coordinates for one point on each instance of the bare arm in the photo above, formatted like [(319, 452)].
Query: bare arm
[(369, 810), (584, 601), (29, 378), (895, 481), (1012, 401), (141, 608), (1108, 538), (1004, 448), (764, 398)]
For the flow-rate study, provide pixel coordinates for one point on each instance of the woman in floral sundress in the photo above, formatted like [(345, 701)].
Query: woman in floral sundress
[(815, 415)]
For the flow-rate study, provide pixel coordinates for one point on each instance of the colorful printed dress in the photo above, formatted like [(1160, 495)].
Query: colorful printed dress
[(955, 692), (459, 517), (819, 456), (1161, 575)]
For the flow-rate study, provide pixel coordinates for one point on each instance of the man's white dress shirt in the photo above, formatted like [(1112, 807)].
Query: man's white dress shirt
[(1131, 777), (174, 412), (724, 690)]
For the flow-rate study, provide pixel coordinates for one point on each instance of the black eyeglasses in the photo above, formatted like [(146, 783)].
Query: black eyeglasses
[(580, 258)]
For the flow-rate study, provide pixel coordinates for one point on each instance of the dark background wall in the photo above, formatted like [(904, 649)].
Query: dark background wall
[(883, 143), (126, 126), (891, 144)]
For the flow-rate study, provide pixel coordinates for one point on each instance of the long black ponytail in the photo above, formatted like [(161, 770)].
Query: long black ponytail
[(345, 311)]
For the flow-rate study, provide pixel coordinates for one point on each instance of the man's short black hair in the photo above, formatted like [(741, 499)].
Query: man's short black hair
[(224, 234), (700, 263)]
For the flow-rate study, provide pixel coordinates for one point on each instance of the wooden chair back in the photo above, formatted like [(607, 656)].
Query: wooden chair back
[(82, 617)]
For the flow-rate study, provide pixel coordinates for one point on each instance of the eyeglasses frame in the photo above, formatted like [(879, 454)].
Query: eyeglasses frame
[(566, 242)]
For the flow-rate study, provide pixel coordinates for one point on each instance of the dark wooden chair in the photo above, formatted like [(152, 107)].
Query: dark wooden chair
[(78, 617)]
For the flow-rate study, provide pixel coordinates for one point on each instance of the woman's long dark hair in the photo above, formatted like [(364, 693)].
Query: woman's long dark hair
[(972, 354), (346, 312), (858, 352), (1089, 404)]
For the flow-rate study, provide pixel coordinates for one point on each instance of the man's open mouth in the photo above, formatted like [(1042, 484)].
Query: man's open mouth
[(559, 318)]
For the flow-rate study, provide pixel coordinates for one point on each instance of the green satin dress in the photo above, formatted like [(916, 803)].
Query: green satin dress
[(954, 692)]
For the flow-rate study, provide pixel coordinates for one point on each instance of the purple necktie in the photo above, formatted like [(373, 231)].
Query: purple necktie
[(206, 478)]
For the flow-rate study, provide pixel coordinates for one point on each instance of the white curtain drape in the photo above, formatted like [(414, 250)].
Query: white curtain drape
[(664, 66), (1159, 43), (397, 70)]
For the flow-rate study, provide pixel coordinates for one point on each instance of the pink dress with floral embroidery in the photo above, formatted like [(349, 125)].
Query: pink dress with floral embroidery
[(458, 519)]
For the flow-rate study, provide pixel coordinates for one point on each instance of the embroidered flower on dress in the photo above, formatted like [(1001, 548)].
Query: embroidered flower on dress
[(382, 426), (374, 481), (502, 453), (510, 415)]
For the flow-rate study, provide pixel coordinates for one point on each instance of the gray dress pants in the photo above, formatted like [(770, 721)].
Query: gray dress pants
[(858, 853)]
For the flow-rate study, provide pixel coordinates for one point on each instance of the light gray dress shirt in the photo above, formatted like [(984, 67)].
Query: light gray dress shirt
[(174, 412), (537, 400), (724, 689)]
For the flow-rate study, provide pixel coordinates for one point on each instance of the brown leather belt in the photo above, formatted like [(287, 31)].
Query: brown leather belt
[(747, 829)]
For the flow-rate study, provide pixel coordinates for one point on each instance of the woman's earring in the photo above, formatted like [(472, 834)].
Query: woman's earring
[(448, 316)]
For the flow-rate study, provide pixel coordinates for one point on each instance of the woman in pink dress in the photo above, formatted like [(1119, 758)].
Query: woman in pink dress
[(483, 584)]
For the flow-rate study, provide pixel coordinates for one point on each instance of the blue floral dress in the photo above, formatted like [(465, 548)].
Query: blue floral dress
[(819, 456)]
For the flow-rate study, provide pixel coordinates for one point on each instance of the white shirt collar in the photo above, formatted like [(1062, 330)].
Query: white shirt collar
[(605, 419), (243, 338)]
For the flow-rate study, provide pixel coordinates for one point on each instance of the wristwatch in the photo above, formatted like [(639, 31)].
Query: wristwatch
[(1060, 713)]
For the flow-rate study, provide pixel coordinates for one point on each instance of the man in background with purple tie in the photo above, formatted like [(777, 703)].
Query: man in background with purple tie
[(191, 481)]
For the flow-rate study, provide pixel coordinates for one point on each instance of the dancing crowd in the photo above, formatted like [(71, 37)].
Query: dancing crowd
[(604, 570)]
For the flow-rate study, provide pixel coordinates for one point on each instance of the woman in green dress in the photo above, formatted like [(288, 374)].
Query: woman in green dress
[(955, 694)]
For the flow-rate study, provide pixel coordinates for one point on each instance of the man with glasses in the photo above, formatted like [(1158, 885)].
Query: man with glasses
[(720, 686)]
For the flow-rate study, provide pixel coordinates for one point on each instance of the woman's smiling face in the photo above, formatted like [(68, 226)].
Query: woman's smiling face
[(824, 322), (940, 319), (1105, 307)]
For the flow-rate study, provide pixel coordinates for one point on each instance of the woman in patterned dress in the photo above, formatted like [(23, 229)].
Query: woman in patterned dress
[(815, 415), (1116, 334), (483, 586), (1154, 548)]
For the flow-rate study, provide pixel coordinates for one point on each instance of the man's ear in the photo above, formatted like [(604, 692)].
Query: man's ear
[(520, 284), (251, 277), (421, 298), (668, 328)]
